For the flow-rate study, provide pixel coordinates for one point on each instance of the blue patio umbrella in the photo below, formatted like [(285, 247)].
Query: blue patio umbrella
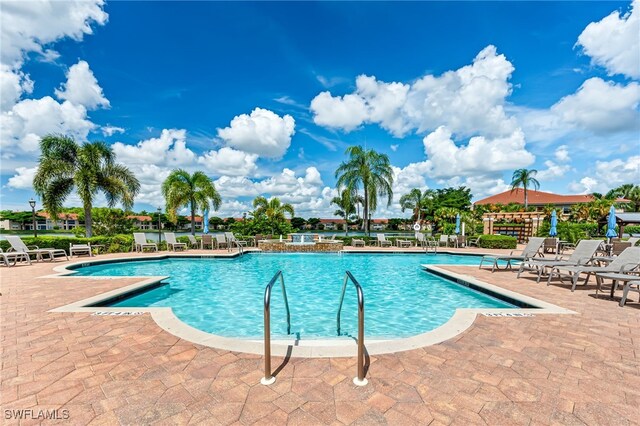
[(457, 223), (611, 223), (205, 224), (554, 223)]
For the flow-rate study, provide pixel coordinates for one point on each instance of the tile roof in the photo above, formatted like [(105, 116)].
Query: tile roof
[(534, 198), (61, 216), (140, 218)]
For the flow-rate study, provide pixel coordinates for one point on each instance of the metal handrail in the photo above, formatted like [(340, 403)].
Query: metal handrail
[(268, 378), (360, 380)]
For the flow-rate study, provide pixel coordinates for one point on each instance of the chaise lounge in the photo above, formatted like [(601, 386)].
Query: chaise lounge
[(531, 249)]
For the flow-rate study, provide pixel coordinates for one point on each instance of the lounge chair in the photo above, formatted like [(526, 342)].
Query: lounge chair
[(357, 242), (172, 243), (11, 259), (627, 260), (207, 240), (531, 249), (420, 240), (584, 252), (628, 280), (633, 241), (619, 246), (222, 241), (140, 242), (474, 242), (17, 245), (461, 241), (234, 241), (382, 241), (78, 249), (444, 239), (193, 242)]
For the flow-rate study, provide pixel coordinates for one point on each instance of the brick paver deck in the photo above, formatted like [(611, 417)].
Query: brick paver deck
[(546, 369)]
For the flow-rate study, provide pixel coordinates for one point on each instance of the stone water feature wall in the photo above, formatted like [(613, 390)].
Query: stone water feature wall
[(287, 247)]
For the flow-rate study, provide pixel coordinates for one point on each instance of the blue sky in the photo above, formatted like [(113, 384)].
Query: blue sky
[(265, 97)]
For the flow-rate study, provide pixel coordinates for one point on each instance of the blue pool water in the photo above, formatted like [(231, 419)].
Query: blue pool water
[(225, 296)]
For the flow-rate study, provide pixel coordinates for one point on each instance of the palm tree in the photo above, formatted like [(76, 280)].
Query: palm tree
[(627, 191), (346, 207), (274, 210), (416, 201), (524, 178), (371, 171), (196, 192), (89, 168)]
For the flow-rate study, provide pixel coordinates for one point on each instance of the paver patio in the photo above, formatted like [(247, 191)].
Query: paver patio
[(545, 369)]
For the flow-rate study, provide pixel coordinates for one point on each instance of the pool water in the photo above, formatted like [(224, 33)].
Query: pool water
[(225, 296)]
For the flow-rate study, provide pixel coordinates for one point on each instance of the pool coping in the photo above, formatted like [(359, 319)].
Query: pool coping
[(164, 317)]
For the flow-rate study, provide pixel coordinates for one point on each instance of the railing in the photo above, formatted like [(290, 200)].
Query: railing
[(360, 380), (268, 378)]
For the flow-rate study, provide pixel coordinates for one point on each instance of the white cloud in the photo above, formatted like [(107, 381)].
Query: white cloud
[(601, 107), (23, 179), (109, 130), (469, 101), (13, 84), (22, 127), (614, 43), (228, 161), (553, 171), (609, 174), (27, 26), (291, 188), (347, 112), (262, 132), (562, 153), (82, 88), (478, 157), (394, 148), (170, 149)]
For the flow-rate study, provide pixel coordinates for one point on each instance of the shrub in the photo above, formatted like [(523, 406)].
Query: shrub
[(569, 231), (497, 242), (113, 244), (632, 229)]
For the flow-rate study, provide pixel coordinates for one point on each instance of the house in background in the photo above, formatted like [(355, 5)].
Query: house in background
[(198, 224), (379, 224), (143, 222), (332, 224)]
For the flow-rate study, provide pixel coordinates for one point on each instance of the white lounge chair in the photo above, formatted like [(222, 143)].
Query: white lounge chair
[(626, 261), (584, 252), (192, 240), (79, 249), (234, 241), (172, 243), (19, 246), (140, 242), (444, 239), (355, 242), (11, 259), (221, 240), (530, 250), (382, 241)]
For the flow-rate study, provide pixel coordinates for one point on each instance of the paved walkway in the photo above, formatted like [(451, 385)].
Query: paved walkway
[(546, 369)]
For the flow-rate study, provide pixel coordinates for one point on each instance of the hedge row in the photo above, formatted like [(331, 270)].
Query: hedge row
[(496, 241)]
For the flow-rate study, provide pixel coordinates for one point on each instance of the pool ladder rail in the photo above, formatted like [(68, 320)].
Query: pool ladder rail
[(268, 379)]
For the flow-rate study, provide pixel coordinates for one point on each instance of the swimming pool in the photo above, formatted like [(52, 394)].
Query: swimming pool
[(224, 296)]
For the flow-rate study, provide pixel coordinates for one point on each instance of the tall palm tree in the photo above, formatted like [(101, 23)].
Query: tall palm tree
[(274, 210), (89, 168), (370, 170), (196, 192), (415, 200), (627, 191), (346, 207), (524, 178)]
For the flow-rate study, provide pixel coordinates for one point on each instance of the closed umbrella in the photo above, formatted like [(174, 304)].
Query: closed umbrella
[(554, 223), (457, 224), (611, 223), (205, 224)]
